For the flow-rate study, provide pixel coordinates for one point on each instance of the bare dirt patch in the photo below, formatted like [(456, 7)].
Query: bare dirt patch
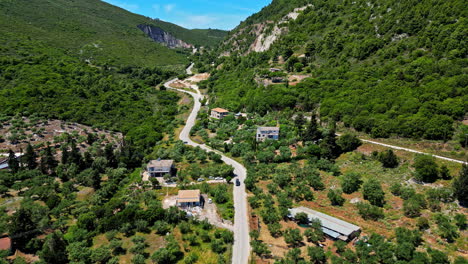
[(296, 78), (199, 77)]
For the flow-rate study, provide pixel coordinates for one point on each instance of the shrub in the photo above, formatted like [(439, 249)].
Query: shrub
[(351, 182), (335, 197), (368, 211), (372, 191)]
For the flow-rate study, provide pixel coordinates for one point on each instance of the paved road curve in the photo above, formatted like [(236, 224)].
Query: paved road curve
[(241, 249)]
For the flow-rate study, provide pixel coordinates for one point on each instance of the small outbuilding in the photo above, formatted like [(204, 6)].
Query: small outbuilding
[(267, 133), (219, 113), (189, 198), (333, 227), (159, 168)]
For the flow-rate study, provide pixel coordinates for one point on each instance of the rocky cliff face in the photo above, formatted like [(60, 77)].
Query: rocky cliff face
[(163, 37)]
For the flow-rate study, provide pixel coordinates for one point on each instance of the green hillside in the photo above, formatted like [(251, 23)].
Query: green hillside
[(87, 62), (197, 37), (89, 29), (382, 67)]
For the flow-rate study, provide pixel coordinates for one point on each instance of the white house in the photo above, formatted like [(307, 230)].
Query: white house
[(159, 168), (267, 133)]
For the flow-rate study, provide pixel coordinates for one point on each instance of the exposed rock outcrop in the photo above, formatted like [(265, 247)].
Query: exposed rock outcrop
[(161, 36)]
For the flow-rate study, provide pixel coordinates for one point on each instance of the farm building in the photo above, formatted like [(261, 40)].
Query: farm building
[(331, 226)]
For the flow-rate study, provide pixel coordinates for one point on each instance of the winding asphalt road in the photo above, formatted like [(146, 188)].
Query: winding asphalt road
[(241, 249)]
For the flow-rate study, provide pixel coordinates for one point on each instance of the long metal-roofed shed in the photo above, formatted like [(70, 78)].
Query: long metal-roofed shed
[(331, 226)]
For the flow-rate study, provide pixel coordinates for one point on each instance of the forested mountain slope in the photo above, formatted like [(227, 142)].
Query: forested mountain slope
[(383, 67), (198, 37), (85, 61), (95, 31)]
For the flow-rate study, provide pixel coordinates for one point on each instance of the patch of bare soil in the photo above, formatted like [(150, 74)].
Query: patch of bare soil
[(296, 78), (199, 77), (180, 84)]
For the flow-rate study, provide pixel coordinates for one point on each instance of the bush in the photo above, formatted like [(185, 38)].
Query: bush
[(370, 212), (422, 223), (372, 191), (351, 182), (335, 197), (348, 142), (426, 169), (388, 159)]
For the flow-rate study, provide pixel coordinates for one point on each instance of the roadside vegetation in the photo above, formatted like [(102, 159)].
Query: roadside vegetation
[(394, 194)]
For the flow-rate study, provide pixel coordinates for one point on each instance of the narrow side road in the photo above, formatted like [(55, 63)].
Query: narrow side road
[(241, 249), (412, 150)]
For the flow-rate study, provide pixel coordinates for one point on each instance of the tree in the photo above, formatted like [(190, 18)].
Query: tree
[(372, 191), (312, 132), (444, 173), (30, 157), (460, 185), (388, 159), (330, 149), (335, 197), (54, 249), (368, 211), (260, 248), (48, 162), (426, 169), (13, 163), (348, 142), (22, 228), (314, 234), (460, 221), (293, 237), (302, 218), (316, 255), (351, 182), (299, 122)]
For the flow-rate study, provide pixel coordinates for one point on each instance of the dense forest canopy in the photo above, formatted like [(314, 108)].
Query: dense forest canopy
[(385, 68)]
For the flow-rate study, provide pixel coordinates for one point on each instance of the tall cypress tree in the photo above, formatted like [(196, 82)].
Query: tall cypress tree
[(48, 162), (30, 158), (13, 163), (312, 132), (330, 148), (460, 186), (75, 155), (65, 155)]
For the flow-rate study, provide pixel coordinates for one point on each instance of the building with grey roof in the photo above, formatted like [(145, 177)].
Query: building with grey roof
[(264, 133), (159, 168), (333, 227)]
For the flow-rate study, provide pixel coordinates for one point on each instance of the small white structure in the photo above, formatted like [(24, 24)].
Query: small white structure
[(188, 198), (267, 133), (219, 113), (159, 168)]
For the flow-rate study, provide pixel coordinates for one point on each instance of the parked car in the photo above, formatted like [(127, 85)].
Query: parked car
[(219, 178), (211, 178), (237, 182), (200, 179)]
